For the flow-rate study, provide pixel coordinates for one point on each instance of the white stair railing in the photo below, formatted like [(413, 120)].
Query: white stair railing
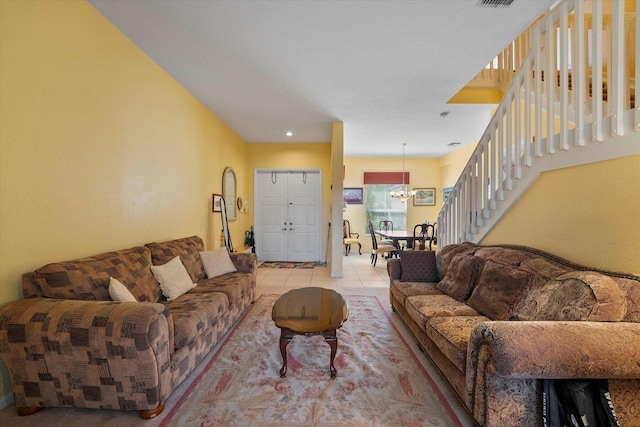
[(575, 87)]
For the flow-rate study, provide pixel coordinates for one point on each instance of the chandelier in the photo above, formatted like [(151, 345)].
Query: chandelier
[(404, 194)]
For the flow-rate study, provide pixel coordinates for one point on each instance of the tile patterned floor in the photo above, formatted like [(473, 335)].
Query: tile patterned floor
[(359, 276)]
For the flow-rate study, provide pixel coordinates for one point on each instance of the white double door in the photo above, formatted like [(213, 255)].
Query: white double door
[(288, 215)]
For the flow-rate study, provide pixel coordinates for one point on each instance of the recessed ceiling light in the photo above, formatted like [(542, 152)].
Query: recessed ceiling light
[(289, 133), (451, 144), (444, 114)]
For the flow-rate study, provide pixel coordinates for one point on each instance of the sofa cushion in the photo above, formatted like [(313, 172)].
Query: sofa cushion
[(236, 286), (499, 290), (630, 287), (421, 308), (187, 248), (577, 295), (88, 278), (194, 313), (543, 267), (173, 277), (446, 255), (217, 262), (461, 276), (507, 256), (402, 290), (451, 335), (418, 266)]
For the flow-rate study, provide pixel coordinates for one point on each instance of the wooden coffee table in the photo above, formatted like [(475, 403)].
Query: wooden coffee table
[(309, 311)]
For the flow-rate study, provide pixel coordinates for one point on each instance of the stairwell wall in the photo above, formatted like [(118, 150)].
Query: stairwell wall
[(587, 214)]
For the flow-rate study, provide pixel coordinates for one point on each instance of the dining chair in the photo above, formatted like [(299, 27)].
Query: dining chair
[(379, 248), (349, 238), (422, 233), (434, 237), (385, 225)]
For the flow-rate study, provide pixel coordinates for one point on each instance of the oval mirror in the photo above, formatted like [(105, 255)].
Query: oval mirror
[(229, 192)]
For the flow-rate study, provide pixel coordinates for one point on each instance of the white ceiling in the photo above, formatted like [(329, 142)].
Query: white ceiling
[(384, 68)]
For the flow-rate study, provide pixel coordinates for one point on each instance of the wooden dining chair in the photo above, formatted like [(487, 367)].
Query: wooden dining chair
[(349, 238), (421, 234), (385, 225), (379, 248), (433, 243)]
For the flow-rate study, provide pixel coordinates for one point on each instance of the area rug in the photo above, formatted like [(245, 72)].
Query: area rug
[(287, 264), (379, 380)]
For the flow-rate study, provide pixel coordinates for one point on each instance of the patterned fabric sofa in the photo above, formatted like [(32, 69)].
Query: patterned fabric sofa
[(497, 320), (68, 344)]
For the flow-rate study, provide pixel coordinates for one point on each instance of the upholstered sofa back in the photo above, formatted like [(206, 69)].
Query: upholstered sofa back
[(88, 278), (520, 283)]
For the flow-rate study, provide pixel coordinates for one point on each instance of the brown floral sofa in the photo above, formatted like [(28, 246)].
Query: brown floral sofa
[(497, 320), (68, 344)]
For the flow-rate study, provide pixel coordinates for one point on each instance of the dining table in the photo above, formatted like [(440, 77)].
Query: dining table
[(396, 236)]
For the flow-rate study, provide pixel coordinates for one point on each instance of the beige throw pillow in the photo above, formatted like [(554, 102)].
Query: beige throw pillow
[(173, 277), (119, 292), (217, 262)]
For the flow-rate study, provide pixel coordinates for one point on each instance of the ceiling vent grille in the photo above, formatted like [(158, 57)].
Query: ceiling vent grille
[(495, 3)]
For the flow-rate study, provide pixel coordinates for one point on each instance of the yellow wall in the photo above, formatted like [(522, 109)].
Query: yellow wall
[(100, 149), (424, 173), (451, 164), (587, 214)]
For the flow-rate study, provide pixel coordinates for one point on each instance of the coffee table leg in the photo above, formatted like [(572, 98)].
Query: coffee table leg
[(332, 339), (284, 341)]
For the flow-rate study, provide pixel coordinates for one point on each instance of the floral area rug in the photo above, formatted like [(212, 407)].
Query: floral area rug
[(379, 380), (287, 264)]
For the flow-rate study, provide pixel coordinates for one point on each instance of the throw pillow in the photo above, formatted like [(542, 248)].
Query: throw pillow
[(217, 262), (499, 290), (173, 277), (461, 276), (446, 254), (187, 249), (119, 292), (418, 266)]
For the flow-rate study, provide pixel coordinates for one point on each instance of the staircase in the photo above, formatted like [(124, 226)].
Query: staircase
[(586, 113)]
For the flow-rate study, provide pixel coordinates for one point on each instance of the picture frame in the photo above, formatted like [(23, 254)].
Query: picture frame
[(424, 197), (446, 192), (353, 195), (216, 204)]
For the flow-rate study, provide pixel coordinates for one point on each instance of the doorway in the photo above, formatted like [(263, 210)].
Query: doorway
[(288, 214)]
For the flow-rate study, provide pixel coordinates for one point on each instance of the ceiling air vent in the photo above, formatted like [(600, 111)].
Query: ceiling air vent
[(495, 3)]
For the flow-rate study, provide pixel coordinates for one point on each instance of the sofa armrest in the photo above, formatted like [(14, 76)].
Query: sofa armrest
[(245, 263), (93, 354), (394, 269), (556, 349)]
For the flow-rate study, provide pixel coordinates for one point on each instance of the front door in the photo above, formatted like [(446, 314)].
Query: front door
[(288, 215)]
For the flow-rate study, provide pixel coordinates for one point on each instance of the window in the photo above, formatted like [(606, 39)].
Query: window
[(380, 205)]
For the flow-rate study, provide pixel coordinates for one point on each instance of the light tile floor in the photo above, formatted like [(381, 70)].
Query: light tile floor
[(359, 276)]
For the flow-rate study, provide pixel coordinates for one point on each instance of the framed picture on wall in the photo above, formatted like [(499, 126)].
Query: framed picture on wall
[(445, 193), (352, 195), (424, 197), (217, 207)]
